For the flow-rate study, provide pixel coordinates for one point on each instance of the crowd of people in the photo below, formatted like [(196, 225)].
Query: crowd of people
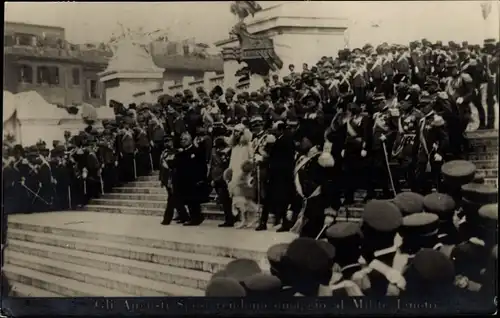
[(387, 118)]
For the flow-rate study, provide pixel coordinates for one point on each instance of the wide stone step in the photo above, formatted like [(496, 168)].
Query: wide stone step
[(489, 173), (486, 164), (57, 284), (209, 212), (144, 190), (144, 184), (132, 231), (22, 290), (483, 156), (116, 281), (157, 272), (206, 263)]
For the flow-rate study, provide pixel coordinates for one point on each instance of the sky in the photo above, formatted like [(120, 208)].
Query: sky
[(208, 22)]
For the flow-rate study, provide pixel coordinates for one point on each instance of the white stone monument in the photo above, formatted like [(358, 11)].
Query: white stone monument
[(302, 32), (131, 69)]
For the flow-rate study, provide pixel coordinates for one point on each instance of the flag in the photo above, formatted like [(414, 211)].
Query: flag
[(244, 8), (486, 9)]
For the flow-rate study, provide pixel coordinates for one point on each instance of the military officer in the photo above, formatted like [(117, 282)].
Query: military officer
[(405, 145), (355, 150)]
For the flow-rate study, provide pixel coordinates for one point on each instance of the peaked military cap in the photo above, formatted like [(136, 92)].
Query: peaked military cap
[(420, 224), (240, 269), (409, 202), (224, 287), (489, 216), (433, 267), (330, 250), (382, 216), (261, 283), (480, 193), (306, 256), (441, 204), (458, 172)]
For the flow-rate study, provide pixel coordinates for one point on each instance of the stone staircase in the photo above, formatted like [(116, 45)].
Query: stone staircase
[(116, 246)]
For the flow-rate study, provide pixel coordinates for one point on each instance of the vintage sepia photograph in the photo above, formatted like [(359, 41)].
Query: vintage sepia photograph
[(346, 150)]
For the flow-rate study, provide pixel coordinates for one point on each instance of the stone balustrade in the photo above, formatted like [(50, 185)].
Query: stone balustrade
[(208, 82)]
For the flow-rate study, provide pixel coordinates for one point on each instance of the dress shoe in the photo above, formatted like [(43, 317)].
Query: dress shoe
[(194, 222), (261, 227), (282, 229), (165, 223), (180, 221), (226, 224)]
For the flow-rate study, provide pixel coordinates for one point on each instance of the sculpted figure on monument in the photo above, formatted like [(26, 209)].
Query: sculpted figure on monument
[(256, 51)]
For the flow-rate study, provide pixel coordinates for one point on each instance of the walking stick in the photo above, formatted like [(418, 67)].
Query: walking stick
[(321, 232), (388, 168), (69, 197), (151, 161), (135, 169)]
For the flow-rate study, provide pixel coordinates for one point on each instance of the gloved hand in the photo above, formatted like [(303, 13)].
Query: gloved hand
[(289, 215), (383, 137), (328, 220), (342, 153), (437, 157), (363, 153), (460, 100)]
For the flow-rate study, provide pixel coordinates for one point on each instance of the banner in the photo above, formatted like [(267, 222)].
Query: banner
[(299, 306)]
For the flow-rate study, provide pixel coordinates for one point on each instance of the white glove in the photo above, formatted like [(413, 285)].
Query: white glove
[(102, 166), (116, 163), (258, 158), (383, 137), (437, 157), (313, 116), (363, 153), (328, 220), (443, 95), (289, 215), (460, 100), (342, 153)]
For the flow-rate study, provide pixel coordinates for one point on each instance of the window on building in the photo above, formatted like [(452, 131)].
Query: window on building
[(25, 74), (185, 47), (76, 76), (93, 89), (25, 39), (48, 75), (171, 48)]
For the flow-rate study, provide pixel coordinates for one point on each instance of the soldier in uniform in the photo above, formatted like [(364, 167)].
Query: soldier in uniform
[(9, 181), (383, 132), (280, 176), (459, 87), (62, 176), (359, 80), (167, 171), (221, 153), (127, 162), (109, 165), (388, 72), (144, 160), (381, 222), (432, 144), (261, 146), (156, 132), (355, 150), (405, 145), (309, 203)]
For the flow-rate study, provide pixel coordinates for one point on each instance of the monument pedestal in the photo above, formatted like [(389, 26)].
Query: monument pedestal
[(302, 32), (131, 69)]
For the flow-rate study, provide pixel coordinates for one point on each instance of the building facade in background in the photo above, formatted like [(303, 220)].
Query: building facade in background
[(39, 58)]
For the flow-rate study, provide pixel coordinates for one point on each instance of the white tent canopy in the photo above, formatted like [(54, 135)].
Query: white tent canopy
[(9, 105), (29, 117)]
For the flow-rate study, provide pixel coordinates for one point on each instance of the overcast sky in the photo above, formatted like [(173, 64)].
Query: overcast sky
[(399, 21)]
